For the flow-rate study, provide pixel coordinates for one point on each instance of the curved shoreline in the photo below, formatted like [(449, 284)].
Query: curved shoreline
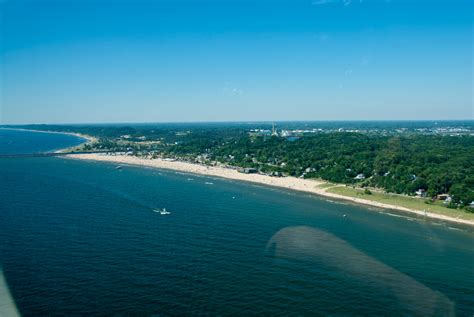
[(292, 183), (88, 139)]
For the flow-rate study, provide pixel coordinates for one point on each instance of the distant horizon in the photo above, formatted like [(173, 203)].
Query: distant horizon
[(234, 122)]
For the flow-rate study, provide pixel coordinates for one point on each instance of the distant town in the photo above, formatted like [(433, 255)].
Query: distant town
[(450, 131)]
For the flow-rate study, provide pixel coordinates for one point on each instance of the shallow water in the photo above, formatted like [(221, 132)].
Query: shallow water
[(81, 238)]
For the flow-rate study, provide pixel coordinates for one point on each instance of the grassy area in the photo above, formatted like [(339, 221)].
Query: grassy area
[(403, 201), (324, 185)]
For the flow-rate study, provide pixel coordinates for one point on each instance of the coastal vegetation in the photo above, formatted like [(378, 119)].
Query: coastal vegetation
[(437, 167), (410, 202)]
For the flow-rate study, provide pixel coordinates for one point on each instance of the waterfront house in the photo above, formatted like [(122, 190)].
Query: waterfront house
[(442, 196), (421, 192), (248, 170)]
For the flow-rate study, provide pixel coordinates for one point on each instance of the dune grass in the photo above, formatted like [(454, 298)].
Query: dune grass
[(324, 185)]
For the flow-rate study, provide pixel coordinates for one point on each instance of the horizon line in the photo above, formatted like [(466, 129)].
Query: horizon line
[(233, 122)]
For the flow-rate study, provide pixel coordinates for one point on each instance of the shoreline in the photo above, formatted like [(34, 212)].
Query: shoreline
[(292, 183), (88, 139)]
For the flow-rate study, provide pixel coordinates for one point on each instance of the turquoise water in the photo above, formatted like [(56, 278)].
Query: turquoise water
[(81, 238)]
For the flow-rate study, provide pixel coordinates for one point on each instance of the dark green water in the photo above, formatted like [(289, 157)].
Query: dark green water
[(81, 238)]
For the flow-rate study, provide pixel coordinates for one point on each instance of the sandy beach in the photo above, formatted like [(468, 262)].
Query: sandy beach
[(89, 140), (293, 183)]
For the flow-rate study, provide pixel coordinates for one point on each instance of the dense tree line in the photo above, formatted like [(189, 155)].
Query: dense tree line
[(396, 163), (402, 165), (436, 164)]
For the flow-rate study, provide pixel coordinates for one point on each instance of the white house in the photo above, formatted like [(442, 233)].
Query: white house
[(421, 192)]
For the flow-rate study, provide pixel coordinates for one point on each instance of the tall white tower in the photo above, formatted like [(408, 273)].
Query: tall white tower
[(274, 131)]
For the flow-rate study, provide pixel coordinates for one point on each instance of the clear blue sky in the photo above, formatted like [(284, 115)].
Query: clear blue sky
[(69, 61)]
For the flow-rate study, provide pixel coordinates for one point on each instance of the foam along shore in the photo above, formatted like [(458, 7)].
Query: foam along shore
[(293, 183)]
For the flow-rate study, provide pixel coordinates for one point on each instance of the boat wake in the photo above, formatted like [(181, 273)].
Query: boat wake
[(162, 212)]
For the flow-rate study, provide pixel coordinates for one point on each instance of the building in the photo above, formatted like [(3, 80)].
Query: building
[(448, 200), (274, 131), (421, 192), (442, 196), (248, 170)]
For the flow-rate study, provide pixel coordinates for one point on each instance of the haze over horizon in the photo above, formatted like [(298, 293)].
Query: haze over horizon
[(187, 61), (233, 122)]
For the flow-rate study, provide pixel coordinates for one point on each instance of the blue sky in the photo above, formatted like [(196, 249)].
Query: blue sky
[(71, 61)]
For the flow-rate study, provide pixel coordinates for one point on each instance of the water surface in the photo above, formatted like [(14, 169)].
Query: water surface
[(20, 142), (81, 238)]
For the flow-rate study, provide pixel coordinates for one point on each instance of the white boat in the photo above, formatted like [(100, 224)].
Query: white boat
[(162, 211)]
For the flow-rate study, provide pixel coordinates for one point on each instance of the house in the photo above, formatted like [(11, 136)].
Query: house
[(448, 200), (202, 158), (442, 196), (421, 192), (248, 170), (359, 176)]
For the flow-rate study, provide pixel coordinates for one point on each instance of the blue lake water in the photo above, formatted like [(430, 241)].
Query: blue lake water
[(21, 142), (81, 238)]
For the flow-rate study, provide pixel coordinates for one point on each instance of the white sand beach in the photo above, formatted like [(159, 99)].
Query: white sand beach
[(293, 183)]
